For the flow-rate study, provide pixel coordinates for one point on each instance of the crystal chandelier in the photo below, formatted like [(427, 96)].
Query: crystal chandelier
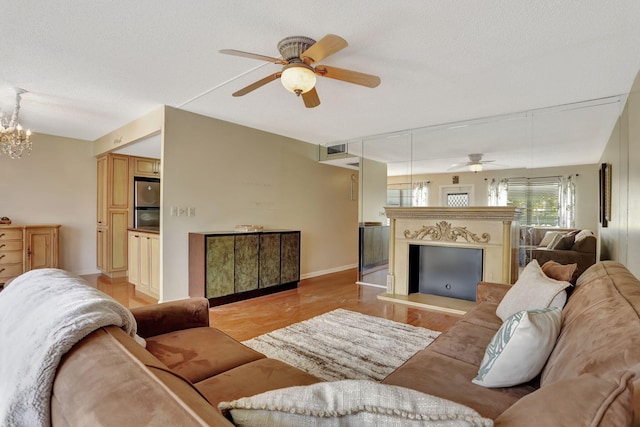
[(14, 141)]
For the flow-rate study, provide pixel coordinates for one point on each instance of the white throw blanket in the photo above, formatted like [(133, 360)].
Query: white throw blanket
[(43, 313)]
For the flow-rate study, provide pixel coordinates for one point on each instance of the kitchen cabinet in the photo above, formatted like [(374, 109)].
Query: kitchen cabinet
[(113, 214), (144, 262), (143, 166), (27, 247), (230, 266)]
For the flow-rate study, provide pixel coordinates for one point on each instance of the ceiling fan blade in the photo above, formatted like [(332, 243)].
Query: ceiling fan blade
[(356, 77), (311, 98), (328, 45), (253, 56), (256, 85)]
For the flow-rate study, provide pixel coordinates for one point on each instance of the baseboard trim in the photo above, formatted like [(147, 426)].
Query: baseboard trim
[(328, 271), (371, 284)]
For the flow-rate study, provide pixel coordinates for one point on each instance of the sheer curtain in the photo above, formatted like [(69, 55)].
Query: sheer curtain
[(420, 193), (567, 202), (498, 192)]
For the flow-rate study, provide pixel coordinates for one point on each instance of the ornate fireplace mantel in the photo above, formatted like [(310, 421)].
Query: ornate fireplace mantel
[(493, 229)]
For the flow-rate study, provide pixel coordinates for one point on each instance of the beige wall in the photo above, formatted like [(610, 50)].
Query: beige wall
[(56, 184), (586, 182), (620, 241), (372, 191), (234, 175)]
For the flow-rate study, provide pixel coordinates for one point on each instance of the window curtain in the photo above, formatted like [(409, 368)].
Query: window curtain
[(567, 202), (498, 192), (420, 193)]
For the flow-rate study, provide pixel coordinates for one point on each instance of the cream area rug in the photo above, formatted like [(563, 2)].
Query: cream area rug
[(344, 344)]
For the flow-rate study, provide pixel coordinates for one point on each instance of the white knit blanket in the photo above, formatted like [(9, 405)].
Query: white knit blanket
[(43, 313)]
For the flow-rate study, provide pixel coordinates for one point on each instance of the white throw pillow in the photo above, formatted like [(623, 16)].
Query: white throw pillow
[(532, 290), (349, 403), (582, 234), (520, 348)]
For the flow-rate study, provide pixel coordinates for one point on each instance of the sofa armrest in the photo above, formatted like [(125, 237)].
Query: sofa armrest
[(171, 316), (491, 292)]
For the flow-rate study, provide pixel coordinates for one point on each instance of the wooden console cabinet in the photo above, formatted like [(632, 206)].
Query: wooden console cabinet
[(27, 247), (230, 266)]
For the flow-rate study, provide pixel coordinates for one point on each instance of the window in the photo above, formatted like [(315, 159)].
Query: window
[(547, 201), (538, 197), (456, 195)]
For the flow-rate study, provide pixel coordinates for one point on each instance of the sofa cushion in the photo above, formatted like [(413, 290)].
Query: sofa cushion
[(108, 379), (586, 400), (252, 378), (350, 402), (520, 348), (532, 290), (557, 271), (199, 353), (449, 378), (600, 326), (587, 245)]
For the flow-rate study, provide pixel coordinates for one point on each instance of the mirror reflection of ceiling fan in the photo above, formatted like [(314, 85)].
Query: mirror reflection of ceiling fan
[(298, 75), (475, 163)]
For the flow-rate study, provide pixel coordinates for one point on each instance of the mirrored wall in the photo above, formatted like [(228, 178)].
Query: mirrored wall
[(438, 165)]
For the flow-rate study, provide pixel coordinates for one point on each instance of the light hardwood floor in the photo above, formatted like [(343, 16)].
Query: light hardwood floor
[(250, 318)]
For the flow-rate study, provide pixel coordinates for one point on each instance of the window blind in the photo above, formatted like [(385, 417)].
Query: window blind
[(539, 197)]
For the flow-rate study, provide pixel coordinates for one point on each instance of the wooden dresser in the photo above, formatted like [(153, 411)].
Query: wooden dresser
[(27, 247)]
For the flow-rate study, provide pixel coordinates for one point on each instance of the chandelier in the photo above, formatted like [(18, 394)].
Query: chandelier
[(14, 141)]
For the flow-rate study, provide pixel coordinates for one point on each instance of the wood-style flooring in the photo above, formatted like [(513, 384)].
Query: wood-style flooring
[(249, 318)]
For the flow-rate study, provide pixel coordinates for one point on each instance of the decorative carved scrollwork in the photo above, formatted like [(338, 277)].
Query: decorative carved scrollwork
[(444, 231)]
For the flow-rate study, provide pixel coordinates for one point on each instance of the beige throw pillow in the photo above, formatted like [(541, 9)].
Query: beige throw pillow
[(533, 290), (349, 403), (548, 237)]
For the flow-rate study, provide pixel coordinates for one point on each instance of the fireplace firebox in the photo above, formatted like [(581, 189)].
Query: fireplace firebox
[(447, 271)]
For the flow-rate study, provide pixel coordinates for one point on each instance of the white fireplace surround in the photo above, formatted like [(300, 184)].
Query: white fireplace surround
[(492, 229)]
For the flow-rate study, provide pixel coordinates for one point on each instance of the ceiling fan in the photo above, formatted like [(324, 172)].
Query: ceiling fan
[(475, 163), (298, 75)]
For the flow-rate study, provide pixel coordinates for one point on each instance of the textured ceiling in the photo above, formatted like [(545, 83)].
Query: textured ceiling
[(91, 67)]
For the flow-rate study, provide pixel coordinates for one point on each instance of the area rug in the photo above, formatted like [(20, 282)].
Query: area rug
[(344, 344)]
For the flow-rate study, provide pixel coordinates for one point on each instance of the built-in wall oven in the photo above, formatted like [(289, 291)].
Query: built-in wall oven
[(146, 203)]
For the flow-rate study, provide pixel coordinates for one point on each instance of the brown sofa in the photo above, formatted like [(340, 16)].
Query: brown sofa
[(582, 252), (188, 367)]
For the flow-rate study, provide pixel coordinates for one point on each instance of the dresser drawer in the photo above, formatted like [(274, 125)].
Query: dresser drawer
[(11, 234), (10, 257), (8, 271), (10, 245)]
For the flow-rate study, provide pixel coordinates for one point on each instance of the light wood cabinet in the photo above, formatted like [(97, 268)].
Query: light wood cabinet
[(229, 266), (27, 247), (113, 214), (143, 166), (144, 262)]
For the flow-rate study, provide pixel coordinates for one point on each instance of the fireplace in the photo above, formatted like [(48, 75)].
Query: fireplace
[(445, 271), (491, 233)]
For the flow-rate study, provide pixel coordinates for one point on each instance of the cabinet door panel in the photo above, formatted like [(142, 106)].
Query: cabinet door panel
[(290, 249), (42, 248), (220, 266), (119, 182), (269, 260), (102, 202), (246, 262), (154, 264), (134, 258), (118, 240)]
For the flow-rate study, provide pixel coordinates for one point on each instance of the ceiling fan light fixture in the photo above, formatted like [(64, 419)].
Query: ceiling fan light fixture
[(298, 78), (475, 167)]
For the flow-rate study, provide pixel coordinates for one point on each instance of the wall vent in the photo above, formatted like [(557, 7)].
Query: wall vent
[(337, 149)]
